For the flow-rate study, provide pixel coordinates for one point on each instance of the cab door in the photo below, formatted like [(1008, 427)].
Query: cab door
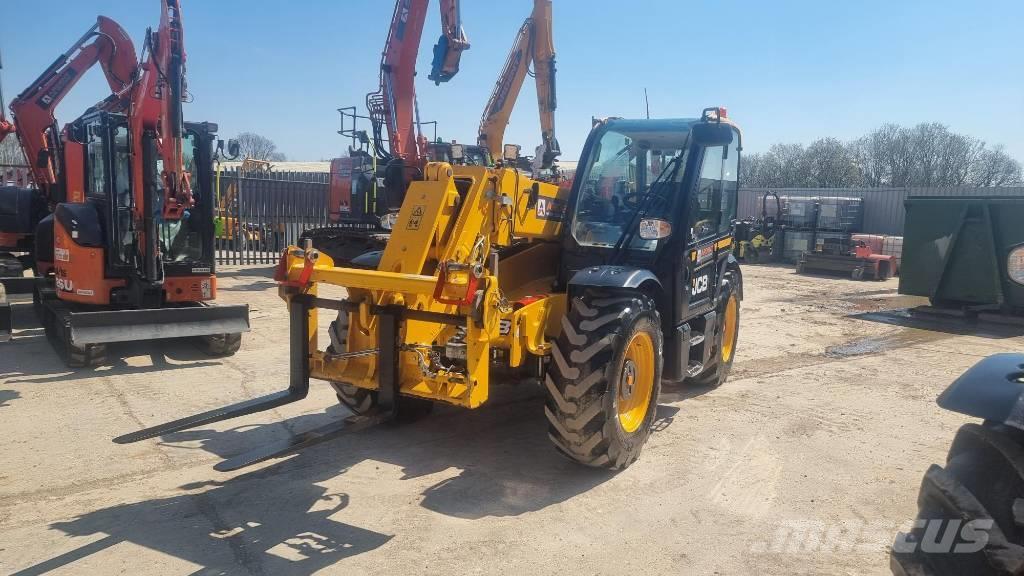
[(710, 215)]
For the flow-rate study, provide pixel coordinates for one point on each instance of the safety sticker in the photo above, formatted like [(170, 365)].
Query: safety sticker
[(417, 217)]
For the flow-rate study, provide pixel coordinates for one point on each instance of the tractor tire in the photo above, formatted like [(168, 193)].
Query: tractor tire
[(220, 345), (604, 378), (726, 335), (360, 400), (983, 481)]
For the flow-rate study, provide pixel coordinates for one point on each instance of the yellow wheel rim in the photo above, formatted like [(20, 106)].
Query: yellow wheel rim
[(729, 329), (636, 382)]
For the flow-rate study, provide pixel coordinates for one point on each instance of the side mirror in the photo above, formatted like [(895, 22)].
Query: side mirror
[(233, 148), (655, 229), (458, 153), (510, 152)]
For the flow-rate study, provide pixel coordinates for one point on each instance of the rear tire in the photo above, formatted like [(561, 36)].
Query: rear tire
[(360, 400), (983, 479), (604, 378), (726, 335)]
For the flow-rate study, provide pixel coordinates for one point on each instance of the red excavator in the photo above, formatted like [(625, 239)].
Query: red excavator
[(127, 253), (21, 209), (368, 185)]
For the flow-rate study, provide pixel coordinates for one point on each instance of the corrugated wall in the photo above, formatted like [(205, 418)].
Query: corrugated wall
[(883, 207)]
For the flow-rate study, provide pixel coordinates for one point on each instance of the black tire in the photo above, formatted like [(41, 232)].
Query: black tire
[(983, 479), (584, 380), (718, 372), (360, 400), (220, 345)]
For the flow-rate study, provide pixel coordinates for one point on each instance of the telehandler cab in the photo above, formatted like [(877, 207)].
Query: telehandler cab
[(599, 293)]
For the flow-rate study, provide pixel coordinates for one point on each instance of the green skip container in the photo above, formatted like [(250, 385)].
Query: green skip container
[(965, 252)]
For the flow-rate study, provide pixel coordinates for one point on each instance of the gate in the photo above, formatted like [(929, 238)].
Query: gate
[(259, 213)]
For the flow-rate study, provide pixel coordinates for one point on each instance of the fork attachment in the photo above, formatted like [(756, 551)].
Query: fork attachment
[(299, 308)]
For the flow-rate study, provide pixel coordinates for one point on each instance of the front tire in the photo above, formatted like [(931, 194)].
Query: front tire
[(604, 378), (983, 481), (360, 400)]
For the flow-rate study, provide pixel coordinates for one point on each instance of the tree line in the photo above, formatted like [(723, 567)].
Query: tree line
[(928, 154)]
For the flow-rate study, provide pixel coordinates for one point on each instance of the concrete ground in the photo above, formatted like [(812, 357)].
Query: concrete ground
[(806, 462)]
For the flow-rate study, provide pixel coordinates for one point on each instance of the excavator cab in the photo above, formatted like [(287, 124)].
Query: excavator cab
[(652, 208), (116, 280)]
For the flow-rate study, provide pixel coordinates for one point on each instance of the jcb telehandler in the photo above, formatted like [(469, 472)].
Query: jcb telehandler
[(599, 293)]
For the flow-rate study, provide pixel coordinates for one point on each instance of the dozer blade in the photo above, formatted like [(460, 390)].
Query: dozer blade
[(152, 324), (260, 404), (304, 440)]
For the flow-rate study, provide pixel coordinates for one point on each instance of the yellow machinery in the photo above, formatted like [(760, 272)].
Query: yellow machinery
[(598, 293), (534, 45)]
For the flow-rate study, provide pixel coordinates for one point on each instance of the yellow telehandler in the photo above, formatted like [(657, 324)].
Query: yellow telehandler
[(598, 293)]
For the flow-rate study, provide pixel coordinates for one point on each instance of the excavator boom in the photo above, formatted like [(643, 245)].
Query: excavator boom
[(393, 106), (106, 44), (156, 106), (534, 44)]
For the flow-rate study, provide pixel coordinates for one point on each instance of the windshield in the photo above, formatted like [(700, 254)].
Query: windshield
[(180, 240), (622, 169)]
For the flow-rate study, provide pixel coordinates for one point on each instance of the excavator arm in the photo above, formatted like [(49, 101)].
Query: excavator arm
[(449, 47), (393, 105), (105, 43), (534, 44), (156, 112)]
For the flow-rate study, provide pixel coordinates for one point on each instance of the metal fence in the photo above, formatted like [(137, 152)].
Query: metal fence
[(883, 207), (258, 214)]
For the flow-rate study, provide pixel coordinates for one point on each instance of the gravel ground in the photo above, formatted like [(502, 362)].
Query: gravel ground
[(807, 461)]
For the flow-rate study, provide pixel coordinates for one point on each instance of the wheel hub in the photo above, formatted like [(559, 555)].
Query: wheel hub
[(628, 379)]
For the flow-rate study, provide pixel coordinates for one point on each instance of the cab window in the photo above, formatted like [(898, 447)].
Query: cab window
[(730, 186), (706, 207)]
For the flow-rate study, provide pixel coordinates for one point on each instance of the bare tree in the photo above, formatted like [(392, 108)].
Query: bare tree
[(257, 147), (928, 154), (831, 164), (994, 167)]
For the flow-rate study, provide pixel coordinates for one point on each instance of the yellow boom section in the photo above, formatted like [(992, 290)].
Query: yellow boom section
[(443, 259)]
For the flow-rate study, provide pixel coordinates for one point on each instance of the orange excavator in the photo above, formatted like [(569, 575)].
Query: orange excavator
[(368, 185), (127, 252), (21, 209)]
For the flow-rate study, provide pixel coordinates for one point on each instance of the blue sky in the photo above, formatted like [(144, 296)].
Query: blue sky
[(787, 71)]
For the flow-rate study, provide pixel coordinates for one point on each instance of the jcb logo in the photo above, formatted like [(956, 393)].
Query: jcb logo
[(699, 286)]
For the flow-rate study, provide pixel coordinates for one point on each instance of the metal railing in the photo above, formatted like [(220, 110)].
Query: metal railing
[(258, 214)]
